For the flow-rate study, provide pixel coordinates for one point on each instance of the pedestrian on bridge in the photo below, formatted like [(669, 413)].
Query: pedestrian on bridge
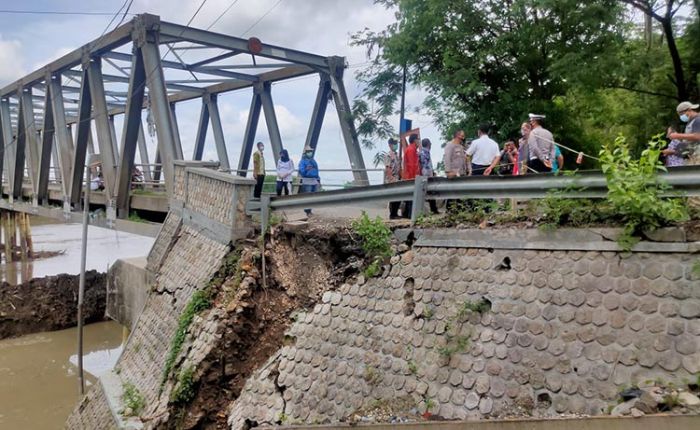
[(285, 168), (483, 153), (391, 173), (541, 146), (308, 171), (690, 140), (411, 169), (426, 168), (455, 159), (259, 170)]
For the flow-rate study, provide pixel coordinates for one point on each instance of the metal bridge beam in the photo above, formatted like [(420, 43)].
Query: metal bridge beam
[(83, 134), (217, 129), (202, 127), (319, 112), (103, 127), (249, 136), (271, 120), (132, 130), (217, 40), (64, 139), (160, 107), (6, 145), (347, 126), (176, 132), (47, 140), (27, 138), (143, 153)]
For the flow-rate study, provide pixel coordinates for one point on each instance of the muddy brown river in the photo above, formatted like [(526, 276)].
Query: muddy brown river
[(39, 374)]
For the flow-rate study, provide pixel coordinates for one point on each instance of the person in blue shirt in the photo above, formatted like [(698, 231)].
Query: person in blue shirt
[(308, 172), (558, 162)]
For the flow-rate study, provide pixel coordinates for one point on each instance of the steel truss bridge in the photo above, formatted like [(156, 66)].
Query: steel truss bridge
[(47, 117)]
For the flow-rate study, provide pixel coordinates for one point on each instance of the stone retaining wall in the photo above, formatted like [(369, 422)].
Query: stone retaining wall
[(570, 327)]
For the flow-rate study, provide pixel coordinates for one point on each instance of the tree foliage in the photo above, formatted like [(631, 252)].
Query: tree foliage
[(589, 66)]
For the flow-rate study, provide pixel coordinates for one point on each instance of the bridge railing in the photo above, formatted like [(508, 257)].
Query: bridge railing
[(685, 181)]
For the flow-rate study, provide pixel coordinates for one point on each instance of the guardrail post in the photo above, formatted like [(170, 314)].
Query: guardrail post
[(264, 220), (419, 192), (264, 213)]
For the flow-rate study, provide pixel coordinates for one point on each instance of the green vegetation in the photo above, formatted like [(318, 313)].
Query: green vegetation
[(372, 376), (375, 239), (429, 403), (468, 307), (455, 344), (201, 300), (635, 190), (590, 66), (133, 400), (696, 272), (135, 217), (184, 390), (412, 367)]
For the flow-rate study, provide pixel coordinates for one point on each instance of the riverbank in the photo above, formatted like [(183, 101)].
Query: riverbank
[(50, 303)]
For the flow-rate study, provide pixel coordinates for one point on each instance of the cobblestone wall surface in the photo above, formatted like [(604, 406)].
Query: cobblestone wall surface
[(164, 240), (189, 263), (92, 413), (179, 182), (571, 325), (188, 266), (210, 197)]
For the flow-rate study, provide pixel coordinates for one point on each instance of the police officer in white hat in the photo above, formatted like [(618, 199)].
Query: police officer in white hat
[(541, 145)]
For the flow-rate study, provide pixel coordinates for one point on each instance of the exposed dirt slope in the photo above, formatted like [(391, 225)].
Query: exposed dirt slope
[(302, 263), (50, 303)]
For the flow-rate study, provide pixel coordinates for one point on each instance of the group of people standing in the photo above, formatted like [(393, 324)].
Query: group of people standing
[(535, 151), (309, 179)]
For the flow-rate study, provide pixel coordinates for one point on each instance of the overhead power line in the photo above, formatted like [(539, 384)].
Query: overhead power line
[(262, 17)]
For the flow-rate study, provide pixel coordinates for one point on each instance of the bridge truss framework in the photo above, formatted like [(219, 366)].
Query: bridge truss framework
[(47, 117)]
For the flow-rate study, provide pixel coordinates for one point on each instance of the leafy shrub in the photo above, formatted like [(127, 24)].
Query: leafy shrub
[(635, 190), (375, 236), (375, 239), (133, 400), (201, 300), (184, 391)]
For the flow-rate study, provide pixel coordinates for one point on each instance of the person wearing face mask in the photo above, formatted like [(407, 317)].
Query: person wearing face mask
[(308, 171), (391, 174), (689, 141), (259, 170), (455, 159), (285, 168), (688, 114)]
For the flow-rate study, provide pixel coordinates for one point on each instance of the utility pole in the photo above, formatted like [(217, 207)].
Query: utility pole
[(83, 255)]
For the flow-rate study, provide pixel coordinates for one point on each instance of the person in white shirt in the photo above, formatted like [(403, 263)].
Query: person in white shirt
[(483, 153)]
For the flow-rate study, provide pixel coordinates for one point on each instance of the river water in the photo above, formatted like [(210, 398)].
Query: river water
[(39, 374)]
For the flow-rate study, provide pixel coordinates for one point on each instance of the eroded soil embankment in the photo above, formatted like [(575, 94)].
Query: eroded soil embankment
[(50, 303), (301, 266)]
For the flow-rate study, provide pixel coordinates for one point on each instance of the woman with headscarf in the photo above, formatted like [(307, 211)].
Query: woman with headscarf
[(285, 168)]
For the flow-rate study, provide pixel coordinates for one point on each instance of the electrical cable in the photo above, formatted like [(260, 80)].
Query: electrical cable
[(262, 17)]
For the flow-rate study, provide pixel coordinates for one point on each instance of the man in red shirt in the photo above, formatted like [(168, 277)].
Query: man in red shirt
[(411, 169)]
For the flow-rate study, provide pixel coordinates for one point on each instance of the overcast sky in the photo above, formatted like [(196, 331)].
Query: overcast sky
[(28, 42)]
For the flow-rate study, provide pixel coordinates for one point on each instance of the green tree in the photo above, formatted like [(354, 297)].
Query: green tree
[(491, 60), (664, 12)]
